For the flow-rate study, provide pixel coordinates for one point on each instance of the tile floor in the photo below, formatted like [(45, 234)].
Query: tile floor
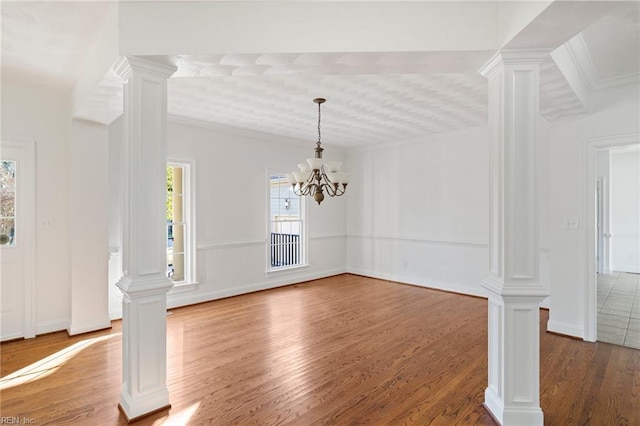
[(619, 309)]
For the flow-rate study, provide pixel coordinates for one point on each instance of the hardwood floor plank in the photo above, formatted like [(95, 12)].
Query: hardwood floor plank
[(345, 350)]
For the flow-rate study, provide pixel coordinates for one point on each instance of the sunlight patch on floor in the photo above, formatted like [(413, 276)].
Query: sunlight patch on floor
[(49, 365), (179, 418)]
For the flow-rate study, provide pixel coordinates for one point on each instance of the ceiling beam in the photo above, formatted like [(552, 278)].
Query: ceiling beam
[(197, 28)]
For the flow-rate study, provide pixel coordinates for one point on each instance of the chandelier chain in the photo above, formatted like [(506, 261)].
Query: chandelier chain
[(319, 135)]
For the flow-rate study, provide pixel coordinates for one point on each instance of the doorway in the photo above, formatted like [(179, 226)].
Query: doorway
[(17, 239), (613, 241)]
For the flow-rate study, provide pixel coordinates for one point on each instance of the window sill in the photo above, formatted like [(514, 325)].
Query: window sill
[(183, 287), (286, 270)]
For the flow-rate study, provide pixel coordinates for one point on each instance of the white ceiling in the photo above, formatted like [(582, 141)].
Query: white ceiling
[(614, 42), (48, 41), (371, 97)]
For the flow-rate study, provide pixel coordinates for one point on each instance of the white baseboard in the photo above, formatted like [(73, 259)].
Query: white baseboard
[(18, 335), (190, 298), (75, 328), (115, 314), (546, 303), (51, 326), (450, 287), (634, 269), (565, 328)]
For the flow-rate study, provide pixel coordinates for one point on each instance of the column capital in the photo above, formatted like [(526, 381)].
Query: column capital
[(513, 57), (514, 291), (125, 65), (144, 287)]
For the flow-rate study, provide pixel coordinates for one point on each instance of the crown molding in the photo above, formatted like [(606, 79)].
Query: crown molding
[(579, 53)]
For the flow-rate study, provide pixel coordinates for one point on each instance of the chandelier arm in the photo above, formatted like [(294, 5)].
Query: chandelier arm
[(296, 190), (305, 190), (330, 186)]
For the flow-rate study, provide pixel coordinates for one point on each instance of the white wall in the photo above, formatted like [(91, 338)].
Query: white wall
[(615, 112), (418, 212), (231, 211), (43, 115), (625, 211), (88, 229)]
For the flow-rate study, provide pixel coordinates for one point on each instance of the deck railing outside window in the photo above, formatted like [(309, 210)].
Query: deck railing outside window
[(286, 225), (285, 249)]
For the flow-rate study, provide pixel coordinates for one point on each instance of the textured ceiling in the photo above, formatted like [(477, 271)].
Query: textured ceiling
[(372, 97), (48, 41)]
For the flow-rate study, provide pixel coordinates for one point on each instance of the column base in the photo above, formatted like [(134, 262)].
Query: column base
[(142, 416), (145, 405), (508, 416)]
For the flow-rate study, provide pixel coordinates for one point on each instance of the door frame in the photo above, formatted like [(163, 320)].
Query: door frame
[(602, 215), (588, 236), (26, 199)]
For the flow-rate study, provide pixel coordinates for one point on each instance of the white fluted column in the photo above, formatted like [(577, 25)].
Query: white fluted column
[(513, 392), (144, 284)]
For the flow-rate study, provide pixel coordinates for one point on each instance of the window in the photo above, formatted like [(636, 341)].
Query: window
[(180, 232), (7, 202), (286, 223)]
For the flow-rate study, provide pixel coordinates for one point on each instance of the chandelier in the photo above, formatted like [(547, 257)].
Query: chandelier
[(315, 177)]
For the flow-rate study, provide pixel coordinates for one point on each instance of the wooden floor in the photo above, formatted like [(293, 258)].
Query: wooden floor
[(345, 350)]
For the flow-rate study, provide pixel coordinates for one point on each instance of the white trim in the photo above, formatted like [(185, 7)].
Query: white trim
[(27, 233), (190, 299), (626, 268), (403, 279), (115, 314), (183, 288), (625, 234), (565, 328), (211, 245), (565, 59), (424, 240), (619, 80), (286, 270), (579, 53), (327, 236), (74, 329), (588, 237), (52, 326)]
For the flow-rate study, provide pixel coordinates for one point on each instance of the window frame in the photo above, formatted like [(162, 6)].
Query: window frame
[(189, 221), (304, 241), (14, 189)]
